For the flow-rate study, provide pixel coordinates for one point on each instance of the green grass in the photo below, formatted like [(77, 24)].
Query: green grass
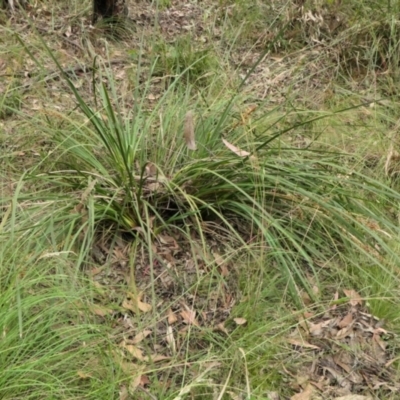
[(50, 341), (184, 59), (97, 162)]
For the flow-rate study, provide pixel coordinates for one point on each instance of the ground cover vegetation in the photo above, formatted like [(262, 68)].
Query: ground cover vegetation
[(200, 200)]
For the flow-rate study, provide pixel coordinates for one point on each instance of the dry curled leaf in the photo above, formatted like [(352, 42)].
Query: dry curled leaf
[(141, 335), (346, 320), (189, 317), (172, 318), (236, 150), (134, 303), (302, 343), (99, 310), (355, 298), (188, 131), (156, 358), (168, 241), (306, 394), (221, 263), (144, 307), (123, 393), (133, 350), (221, 327), (134, 383)]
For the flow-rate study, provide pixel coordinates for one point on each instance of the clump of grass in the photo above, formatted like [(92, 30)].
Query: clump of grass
[(250, 24), (185, 59), (138, 178), (11, 100)]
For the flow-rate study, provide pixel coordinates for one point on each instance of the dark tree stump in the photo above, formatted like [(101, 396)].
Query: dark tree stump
[(111, 10)]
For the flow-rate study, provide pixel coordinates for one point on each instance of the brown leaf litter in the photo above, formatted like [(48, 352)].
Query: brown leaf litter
[(156, 301), (345, 351)]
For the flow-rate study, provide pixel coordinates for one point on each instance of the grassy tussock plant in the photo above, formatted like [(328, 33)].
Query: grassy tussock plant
[(184, 59), (136, 173)]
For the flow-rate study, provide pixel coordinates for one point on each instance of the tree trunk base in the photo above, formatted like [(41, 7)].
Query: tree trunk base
[(111, 10)]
